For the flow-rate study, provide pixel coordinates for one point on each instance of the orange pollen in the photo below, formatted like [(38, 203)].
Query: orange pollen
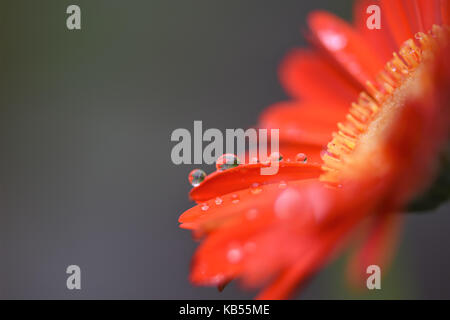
[(370, 117)]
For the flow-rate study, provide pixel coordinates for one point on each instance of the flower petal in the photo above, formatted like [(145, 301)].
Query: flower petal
[(430, 13), (346, 46), (377, 249), (303, 122), (318, 253), (397, 20), (380, 40), (244, 176), (445, 11), (253, 225), (305, 73)]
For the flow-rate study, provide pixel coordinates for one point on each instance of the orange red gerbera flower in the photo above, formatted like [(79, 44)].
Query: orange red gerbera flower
[(361, 138)]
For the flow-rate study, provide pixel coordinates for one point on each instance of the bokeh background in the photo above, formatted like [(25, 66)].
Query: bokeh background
[(85, 121)]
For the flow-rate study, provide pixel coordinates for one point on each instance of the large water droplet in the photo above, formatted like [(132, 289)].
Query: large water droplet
[(205, 207), (196, 177), (227, 161), (301, 157)]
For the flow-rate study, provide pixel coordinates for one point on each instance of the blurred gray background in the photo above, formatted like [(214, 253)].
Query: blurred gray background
[(85, 121)]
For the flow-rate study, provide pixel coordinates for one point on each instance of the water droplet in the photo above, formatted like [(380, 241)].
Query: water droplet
[(234, 255), (282, 185), (235, 198), (196, 177), (218, 201), (205, 207), (255, 188), (254, 160), (227, 161), (301, 157), (276, 156)]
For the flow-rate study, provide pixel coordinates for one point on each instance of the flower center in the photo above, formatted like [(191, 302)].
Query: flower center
[(369, 119)]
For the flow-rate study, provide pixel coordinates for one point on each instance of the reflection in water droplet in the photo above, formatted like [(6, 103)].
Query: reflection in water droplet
[(235, 198), (301, 157), (218, 201), (196, 177), (205, 207), (227, 161)]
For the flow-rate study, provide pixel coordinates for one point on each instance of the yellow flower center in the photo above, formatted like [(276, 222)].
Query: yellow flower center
[(354, 145)]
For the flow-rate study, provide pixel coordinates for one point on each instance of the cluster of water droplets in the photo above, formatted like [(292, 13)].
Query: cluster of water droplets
[(229, 161)]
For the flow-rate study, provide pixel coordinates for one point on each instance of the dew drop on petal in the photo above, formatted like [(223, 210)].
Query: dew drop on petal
[(205, 207), (235, 198), (196, 177), (218, 201), (227, 161), (276, 156), (301, 157), (282, 185), (255, 188)]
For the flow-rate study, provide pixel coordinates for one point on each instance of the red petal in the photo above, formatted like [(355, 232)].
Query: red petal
[(244, 176), (445, 11), (377, 249), (316, 255), (303, 122), (346, 46), (305, 74), (380, 40), (254, 227), (213, 260), (397, 20), (430, 13)]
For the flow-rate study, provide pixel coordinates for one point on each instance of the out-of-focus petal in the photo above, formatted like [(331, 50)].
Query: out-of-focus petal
[(312, 259), (430, 13), (380, 40), (303, 122), (397, 20), (348, 48), (307, 75), (445, 11), (377, 249)]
